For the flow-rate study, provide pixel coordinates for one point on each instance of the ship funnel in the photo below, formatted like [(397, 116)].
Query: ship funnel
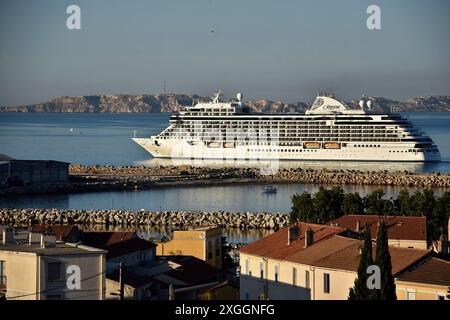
[(239, 97), (361, 104)]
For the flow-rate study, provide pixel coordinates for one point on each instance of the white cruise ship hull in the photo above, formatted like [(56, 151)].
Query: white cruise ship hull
[(182, 149)]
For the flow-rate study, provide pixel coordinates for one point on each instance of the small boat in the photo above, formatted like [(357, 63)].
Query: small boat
[(270, 189)]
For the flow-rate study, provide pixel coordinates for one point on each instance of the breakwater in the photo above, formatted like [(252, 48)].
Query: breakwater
[(179, 219), (190, 174)]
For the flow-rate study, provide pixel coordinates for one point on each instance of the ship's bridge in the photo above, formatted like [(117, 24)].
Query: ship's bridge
[(328, 104), (214, 107)]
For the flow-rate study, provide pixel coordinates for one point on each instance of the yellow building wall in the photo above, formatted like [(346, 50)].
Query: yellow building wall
[(200, 244), (420, 291), (21, 275), (26, 278), (416, 244), (340, 281), (226, 292)]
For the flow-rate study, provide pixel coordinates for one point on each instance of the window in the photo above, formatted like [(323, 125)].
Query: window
[(277, 271), (326, 283), (307, 279), (54, 271), (294, 276), (261, 270), (441, 297), (2, 273), (411, 295), (247, 266)]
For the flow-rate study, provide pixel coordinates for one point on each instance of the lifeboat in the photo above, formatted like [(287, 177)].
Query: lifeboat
[(332, 145), (311, 145), (229, 145), (214, 144)]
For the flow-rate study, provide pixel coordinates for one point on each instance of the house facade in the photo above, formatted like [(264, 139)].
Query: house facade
[(41, 268)]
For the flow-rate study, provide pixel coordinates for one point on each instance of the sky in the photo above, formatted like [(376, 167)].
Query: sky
[(274, 49)]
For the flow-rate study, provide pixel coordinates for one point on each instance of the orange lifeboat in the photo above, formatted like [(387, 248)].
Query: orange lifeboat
[(311, 145), (332, 145)]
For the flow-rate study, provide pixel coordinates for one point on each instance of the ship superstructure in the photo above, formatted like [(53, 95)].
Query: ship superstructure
[(329, 130)]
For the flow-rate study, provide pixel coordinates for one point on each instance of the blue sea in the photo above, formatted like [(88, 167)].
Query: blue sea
[(106, 139)]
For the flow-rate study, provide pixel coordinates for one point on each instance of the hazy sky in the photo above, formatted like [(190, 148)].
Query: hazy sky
[(278, 49)]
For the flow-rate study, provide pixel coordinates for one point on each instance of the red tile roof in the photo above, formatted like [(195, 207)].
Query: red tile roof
[(60, 231), (192, 270), (343, 254), (102, 239), (398, 227), (122, 248), (433, 271), (276, 245)]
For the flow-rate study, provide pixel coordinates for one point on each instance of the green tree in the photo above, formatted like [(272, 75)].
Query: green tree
[(383, 261), (329, 204), (402, 204), (353, 203), (360, 291), (374, 202), (303, 208)]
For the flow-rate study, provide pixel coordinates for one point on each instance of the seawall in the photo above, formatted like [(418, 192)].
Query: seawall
[(244, 220)]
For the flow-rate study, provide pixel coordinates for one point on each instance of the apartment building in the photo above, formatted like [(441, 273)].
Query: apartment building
[(38, 267), (309, 262)]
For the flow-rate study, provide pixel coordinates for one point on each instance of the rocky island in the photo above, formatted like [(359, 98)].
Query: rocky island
[(156, 103)]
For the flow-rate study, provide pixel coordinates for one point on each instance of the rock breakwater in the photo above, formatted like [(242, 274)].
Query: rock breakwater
[(180, 219), (322, 176)]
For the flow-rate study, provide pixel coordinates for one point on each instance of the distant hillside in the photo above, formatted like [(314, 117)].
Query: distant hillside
[(175, 102)]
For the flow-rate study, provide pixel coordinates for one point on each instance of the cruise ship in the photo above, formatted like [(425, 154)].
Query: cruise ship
[(329, 130)]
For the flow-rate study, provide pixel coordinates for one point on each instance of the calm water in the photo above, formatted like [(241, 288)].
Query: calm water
[(213, 198), (106, 139)]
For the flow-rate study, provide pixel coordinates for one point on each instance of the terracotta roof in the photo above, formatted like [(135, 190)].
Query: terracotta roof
[(131, 278), (276, 245), (398, 227), (344, 255), (60, 231), (128, 246), (192, 270), (432, 271), (102, 239)]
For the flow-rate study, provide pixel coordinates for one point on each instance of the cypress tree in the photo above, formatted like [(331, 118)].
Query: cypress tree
[(360, 290), (383, 260)]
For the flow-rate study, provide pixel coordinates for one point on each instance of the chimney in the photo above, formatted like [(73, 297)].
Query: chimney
[(357, 226), (8, 235), (293, 233), (47, 241), (309, 237), (42, 241)]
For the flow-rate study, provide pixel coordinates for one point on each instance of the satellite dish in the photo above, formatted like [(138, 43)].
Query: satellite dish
[(369, 104), (361, 103), (239, 97)]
